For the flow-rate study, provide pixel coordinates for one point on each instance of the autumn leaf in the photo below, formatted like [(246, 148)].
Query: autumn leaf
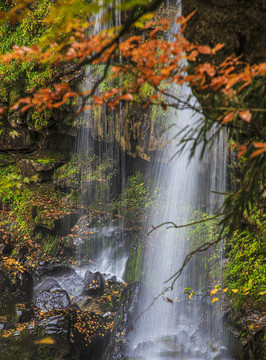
[(261, 149), (215, 299), (217, 48), (45, 341), (98, 100), (225, 290), (127, 97), (241, 150), (214, 291), (245, 115), (171, 301), (206, 50), (235, 290), (228, 117), (191, 294)]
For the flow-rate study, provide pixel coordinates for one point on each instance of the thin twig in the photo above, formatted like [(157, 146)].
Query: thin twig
[(178, 273), (173, 225)]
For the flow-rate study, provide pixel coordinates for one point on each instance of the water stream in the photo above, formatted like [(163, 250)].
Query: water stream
[(103, 168), (183, 323)]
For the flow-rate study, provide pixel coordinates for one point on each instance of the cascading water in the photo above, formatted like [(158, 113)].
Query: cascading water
[(177, 325), (102, 169)]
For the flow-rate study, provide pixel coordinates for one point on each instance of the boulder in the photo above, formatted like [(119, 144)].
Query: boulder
[(55, 270), (93, 283), (73, 285), (48, 285), (52, 300)]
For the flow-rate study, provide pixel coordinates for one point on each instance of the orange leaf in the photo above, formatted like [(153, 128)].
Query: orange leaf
[(214, 291), (116, 68), (171, 301), (2, 110), (98, 100), (241, 150), (225, 290), (217, 48), (26, 100), (204, 49), (259, 145), (245, 115), (153, 97), (167, 71), (228, 117), (262, 68), (235, 290), (127, 97), (215, 299), (257, 153)]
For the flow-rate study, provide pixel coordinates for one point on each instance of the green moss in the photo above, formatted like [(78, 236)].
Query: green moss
[(246, 270), (134, 263)]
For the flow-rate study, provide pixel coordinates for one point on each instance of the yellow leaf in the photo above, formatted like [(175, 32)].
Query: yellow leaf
[(46, 341), (214, 291), (251, 327), (235, 290), (190, 295), (262, 293), (224, 290), (215, 299)]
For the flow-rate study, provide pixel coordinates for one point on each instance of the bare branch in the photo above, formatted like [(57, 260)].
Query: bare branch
[(173, 225), (178, 273)]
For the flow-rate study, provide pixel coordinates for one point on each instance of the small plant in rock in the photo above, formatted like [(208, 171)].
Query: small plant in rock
[(137, 198)]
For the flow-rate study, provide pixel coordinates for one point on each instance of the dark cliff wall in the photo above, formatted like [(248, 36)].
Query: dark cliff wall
[(239, 24)]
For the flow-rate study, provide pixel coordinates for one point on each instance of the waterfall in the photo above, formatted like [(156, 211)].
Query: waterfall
[(183, 326), (183, 323), (102, 166)]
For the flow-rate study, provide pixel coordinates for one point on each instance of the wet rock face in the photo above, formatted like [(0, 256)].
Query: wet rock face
[(118, 347), (54, 270), (240, 25), (93, 283), (15, 287)]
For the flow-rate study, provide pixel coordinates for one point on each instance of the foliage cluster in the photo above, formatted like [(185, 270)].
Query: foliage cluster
[(246, 269), (17, 79), (137, 198)]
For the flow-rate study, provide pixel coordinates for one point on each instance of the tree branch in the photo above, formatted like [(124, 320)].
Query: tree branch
[(173, 225)]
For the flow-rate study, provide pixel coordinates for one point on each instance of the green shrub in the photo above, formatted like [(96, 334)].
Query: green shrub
[(246, 269)]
